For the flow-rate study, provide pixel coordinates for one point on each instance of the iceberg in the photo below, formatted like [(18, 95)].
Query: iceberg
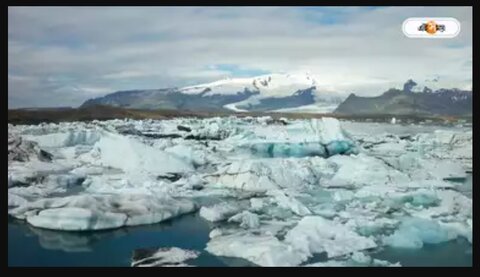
[(257, 204), (21, 150), (68, 139), (314, 234), (344, 147), (361, 170), (452, 205), (136, 157), (279, 150), (97, 212), (277, 193), (325, 138), (76, 219), (261, 175), (414, 232), (219, 212), (289, 202), (246, 219), (327, 129), (263, 250), (189, 154)]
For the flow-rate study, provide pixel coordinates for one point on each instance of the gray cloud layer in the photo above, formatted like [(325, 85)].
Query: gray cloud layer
[(63, 56)]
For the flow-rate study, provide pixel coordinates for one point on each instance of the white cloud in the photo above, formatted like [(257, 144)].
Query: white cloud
[(125, 74), (365, 52)]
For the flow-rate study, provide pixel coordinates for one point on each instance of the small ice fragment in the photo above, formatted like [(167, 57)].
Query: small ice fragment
[(173, 256)]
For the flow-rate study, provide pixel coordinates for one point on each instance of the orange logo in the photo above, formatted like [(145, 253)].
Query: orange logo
[(431, 27)]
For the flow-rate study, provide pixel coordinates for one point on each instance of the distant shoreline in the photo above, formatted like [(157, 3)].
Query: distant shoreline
[(54, 115)]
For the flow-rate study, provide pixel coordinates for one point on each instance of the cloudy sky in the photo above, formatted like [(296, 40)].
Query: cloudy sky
[(64, 56)]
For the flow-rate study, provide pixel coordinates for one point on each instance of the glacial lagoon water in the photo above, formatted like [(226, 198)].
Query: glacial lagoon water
[(29, 246)]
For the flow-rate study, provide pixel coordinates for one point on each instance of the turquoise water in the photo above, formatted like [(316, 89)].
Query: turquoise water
[(456, 253), (29, 246)]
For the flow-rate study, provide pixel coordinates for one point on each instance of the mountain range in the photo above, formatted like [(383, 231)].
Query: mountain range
[(290, 93), (445, 102), (258, 94)]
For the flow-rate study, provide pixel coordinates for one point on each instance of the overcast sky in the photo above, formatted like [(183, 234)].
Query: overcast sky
[(64, 56)]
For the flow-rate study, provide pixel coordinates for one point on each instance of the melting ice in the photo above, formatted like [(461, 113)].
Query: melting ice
[(274, 194)]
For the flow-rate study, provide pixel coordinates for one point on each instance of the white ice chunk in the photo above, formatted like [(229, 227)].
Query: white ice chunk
[(343, 195), (215, 130), (149, 210), (215, 233), (263, 250), (452, 203), (314, 234), (15, 200), (219, 212), (94, 212), (132, 156), (327, 129), (172, 256), (368, 226), (361, 258), (246, 219), (189, 154), (76, 219), (463, 229), (361, 170), (21, 150), (257, 204), (261, 175), (424, 169), (289, 202), (66, 139), (414, 232)]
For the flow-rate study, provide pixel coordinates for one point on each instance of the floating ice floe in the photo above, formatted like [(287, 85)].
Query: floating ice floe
[(419, 168), (246, 220), (314, 234), (452, 204), (324, 138), (278, 193), (172, 256), (414, 232), (289, 202), (69, 138), (219, 212), (265, 174), (97, 212), (136, 156), (263, 250), (362, 170), (197, 157)]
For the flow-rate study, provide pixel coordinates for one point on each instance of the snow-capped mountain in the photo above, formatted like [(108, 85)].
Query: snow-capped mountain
[(262, 93), (274, 85)]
